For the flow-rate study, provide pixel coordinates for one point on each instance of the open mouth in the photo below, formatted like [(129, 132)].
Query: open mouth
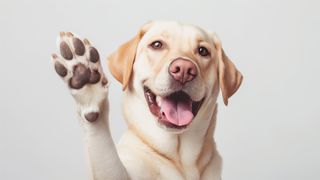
[(174, 111)]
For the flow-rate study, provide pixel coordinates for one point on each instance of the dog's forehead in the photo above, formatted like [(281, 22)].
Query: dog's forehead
[(171, 29)]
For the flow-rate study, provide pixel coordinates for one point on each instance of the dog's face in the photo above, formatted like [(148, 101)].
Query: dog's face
[(176, 69)]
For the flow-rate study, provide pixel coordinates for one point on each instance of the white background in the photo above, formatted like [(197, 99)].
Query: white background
[(270, 130)]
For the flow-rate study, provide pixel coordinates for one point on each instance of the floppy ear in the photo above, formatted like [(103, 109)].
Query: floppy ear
[(121, 61), (229, 77)]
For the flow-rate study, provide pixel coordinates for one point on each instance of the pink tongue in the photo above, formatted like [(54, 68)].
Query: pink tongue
[(177, 112)]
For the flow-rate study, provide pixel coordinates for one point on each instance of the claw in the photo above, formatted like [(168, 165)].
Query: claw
[(86, 42), (62, 34), (54, 56), (69, 34), (104, 81)]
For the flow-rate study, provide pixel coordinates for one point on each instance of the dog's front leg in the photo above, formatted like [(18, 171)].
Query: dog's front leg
[(79, 66), (104, 162)]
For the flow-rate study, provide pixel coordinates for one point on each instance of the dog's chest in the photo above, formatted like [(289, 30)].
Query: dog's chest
[(180, 173)]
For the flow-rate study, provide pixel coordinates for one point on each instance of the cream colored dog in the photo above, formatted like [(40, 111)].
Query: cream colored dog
[(171, 75)]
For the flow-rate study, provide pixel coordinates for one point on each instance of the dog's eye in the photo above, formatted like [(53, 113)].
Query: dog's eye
[(203, 51), (156, 45)]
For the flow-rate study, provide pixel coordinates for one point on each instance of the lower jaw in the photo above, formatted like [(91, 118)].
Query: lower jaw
[(171, 128), (169, 125)]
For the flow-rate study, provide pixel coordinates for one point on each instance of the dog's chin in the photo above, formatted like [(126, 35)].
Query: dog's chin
[(174, 112)]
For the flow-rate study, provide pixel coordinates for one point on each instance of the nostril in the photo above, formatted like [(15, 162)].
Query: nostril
[(177, 69), (192, 72)]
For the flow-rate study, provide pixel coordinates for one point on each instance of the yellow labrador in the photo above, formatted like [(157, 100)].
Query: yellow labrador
[(171, 75)]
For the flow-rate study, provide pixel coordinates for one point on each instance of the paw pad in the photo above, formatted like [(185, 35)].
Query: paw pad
[(60, 69), (81, 76), (79, 48), (65, 51), (92, 116), (94, 77), (94, 55)]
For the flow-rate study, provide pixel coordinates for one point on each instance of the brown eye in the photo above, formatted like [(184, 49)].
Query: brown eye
[(203, 51), (156, 44)]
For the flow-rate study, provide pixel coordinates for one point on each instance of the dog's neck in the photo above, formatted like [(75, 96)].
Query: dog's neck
[(190, 149)]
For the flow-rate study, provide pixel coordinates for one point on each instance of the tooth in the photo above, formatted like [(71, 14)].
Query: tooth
[(149, 97), (158, 99)]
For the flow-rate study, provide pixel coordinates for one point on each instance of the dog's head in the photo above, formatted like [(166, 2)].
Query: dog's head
[(175, 70)]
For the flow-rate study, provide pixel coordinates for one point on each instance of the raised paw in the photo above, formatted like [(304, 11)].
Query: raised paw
[(78, 64)]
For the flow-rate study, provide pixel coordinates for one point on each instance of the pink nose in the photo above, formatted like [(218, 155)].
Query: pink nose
[(183, 70)]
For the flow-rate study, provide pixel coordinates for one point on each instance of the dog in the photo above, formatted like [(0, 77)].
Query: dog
[(171, 74)]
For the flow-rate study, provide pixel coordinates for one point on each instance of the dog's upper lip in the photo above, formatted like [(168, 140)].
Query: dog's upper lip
[(162, 93)]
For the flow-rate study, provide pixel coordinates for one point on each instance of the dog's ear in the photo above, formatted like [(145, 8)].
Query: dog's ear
[(229, 77), (121, 61)]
